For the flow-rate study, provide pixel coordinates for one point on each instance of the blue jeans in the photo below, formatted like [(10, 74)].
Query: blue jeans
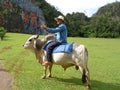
[(50, 50)]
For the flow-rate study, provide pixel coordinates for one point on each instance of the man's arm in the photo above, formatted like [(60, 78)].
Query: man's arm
[(54, 30)]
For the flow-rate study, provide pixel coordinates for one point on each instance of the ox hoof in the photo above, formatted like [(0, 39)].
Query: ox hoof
[(43, 77), (88, 87), (49, 76), (76, 67)]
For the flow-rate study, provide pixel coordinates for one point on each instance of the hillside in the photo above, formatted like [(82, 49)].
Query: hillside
[(103, 24), (112, 9), (106, 22)]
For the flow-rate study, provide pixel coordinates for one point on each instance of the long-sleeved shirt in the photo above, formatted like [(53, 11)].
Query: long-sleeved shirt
[(60, 33)]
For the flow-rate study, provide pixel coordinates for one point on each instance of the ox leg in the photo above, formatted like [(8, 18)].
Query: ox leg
[(44, 72), (83, 74), (87, 77), (84, 77), (50, 69)]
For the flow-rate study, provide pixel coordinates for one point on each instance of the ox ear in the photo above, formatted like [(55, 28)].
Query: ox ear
[(37, 36)]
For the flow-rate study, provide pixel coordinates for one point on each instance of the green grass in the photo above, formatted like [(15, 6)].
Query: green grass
[(104, 65)]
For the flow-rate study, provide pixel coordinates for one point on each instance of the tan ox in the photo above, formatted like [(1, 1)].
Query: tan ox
[(78, 58)]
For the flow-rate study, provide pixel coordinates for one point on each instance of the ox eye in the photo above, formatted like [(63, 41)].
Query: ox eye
[(30, 40)]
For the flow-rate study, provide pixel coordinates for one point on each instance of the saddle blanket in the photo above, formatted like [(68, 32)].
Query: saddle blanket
[(66, 48)]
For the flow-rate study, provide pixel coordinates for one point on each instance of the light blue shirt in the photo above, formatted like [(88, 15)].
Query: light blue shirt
[(60, 33)]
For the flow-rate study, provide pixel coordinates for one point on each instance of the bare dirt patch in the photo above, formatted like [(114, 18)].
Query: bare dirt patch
[(5, 79), (5, 48)]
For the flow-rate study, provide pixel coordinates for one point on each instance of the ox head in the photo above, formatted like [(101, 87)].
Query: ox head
[(34, 43), (31, 42)]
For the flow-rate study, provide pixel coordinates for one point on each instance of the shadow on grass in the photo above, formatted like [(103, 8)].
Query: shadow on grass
[(95, 85), (73, 80), (98, 85), (6, 38)]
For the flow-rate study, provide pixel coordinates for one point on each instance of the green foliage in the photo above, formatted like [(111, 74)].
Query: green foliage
[(49, 11), (11, 17), (1, 15), (111, 10), (106, 22), (75, 23), (2, 32), (103, 24)]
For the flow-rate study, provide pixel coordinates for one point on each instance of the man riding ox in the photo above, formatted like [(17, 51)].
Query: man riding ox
[(61, 37)]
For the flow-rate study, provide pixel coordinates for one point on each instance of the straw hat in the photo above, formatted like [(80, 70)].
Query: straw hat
[(59, 17)]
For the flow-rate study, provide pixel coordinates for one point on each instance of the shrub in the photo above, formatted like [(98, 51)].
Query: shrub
[(2, 32)]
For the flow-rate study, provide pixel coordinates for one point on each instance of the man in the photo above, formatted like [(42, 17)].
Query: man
[(61, 36)]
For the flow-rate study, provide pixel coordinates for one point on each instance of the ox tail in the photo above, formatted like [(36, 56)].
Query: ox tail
[(84, 57), (84, 77)]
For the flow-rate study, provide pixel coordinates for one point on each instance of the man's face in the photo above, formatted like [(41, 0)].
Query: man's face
[(59, 21)]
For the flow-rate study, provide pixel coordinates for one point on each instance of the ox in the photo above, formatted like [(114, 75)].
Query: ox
[(78, 58)]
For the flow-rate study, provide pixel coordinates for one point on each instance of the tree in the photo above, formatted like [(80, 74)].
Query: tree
[(75, 23), (49, 12), (2, 32), (106, 22)]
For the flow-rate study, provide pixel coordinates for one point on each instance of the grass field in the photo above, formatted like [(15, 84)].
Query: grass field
[(104, 65)]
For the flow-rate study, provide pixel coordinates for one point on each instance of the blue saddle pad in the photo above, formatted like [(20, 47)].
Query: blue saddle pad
[(66, 48)]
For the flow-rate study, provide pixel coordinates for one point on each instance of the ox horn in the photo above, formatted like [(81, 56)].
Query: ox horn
[(37, 36)]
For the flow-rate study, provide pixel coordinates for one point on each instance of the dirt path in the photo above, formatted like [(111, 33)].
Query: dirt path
[(5, 79), (15, 65)]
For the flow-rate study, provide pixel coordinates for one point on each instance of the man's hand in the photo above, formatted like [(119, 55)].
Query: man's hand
[(43, 27)]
